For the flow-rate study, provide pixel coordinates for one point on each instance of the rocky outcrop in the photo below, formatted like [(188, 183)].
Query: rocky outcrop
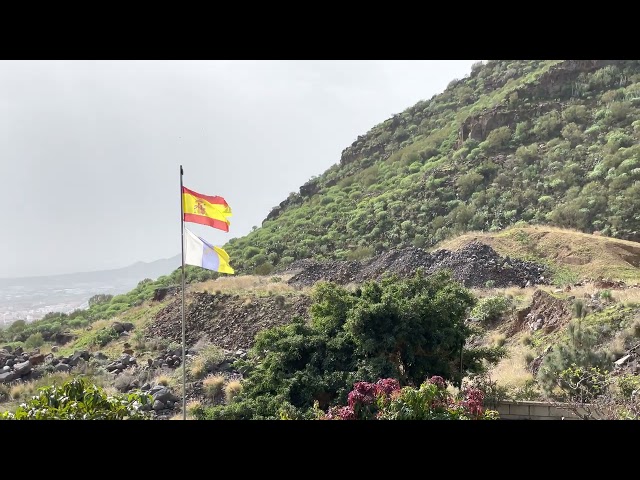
[(23, 366), (159, 294), (542, 96)]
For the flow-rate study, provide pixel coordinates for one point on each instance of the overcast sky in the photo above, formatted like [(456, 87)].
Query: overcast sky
[(90, 150)]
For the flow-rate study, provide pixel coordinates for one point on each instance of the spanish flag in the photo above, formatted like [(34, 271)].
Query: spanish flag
[(207, 210)]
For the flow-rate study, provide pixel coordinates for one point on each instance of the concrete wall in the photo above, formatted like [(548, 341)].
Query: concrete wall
[(514, 410)]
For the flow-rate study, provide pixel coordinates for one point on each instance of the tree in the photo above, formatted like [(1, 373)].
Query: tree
[(407, 329), (570, 359)]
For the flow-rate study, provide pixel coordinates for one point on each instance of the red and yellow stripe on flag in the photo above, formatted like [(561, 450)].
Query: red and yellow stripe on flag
[(205, 209)]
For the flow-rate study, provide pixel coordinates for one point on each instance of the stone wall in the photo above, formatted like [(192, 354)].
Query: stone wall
[(514, 410)]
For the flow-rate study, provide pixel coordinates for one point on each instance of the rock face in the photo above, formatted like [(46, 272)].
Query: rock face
[(547, 312), (475, 265)]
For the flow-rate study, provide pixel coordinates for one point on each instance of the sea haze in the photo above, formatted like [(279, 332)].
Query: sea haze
[(30, 298)]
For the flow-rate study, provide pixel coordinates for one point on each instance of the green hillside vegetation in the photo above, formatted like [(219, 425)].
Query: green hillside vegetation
[(538, 159), (545, 142)]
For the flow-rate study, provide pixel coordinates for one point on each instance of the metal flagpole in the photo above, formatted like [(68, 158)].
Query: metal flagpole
[(184, 368)]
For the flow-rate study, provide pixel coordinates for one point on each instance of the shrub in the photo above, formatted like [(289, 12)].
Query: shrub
[(125, 382), (529, 357), (104, 336), (209, 357), (280, 301), (386, 400), (263, 269), (526, 339), (231, 390), (635, 328), (78, 400), (497, 139), (198, 368), (490, 309), (628, 384), (213, 386), (194, 408), (34, 340), (100, 299), (579, 310), (572, 359), (605, 295)]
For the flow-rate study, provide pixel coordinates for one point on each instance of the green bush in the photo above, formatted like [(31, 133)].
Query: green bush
[(105, 335), (78, 400), (497, 139), (628, 384), (490, 309), (34, 340), (571, 361)]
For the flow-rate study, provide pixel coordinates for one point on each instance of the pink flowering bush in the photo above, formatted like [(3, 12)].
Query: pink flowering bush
[(385, 400)]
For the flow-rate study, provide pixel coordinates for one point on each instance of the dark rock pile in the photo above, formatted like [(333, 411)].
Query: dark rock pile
[(223, 318), (476, 265), (18, 365)]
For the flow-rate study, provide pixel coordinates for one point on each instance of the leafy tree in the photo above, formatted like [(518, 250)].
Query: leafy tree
[(404, 329)]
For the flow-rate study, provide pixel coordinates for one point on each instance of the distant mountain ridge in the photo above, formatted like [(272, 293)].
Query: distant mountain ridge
[(30, 298), (138, 270)]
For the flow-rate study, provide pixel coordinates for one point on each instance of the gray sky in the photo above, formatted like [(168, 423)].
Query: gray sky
[(90, 150)]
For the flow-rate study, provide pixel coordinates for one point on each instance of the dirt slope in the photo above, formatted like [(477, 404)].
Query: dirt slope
[(591, 257)]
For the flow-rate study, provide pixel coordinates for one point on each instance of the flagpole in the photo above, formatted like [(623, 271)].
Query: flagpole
[(184, 368)]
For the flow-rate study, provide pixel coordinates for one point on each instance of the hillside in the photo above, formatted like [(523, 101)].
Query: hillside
[(545, 142), (521, 180), (134, 341), (591, 257)]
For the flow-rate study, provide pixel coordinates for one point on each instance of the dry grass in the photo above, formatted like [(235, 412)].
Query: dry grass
[(628, 296), (192, 407), (635, 328), (208, 357), (512, 371), (213, 386), (21, 390), (588, 256), (617, 347), (498, 339), (198, 368), (232, 389), (257, 284), (164, 380), (180, 416), (521, 296)]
